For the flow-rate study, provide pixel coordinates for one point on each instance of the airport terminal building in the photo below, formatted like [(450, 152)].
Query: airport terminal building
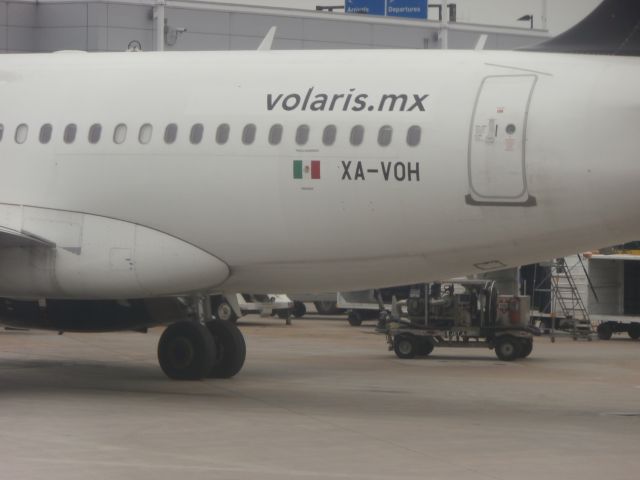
[(95, 26)]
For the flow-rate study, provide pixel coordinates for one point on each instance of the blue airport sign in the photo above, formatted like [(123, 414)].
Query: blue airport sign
[(366, 7), (408, 8)]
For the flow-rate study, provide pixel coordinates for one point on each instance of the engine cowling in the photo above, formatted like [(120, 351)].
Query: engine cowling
[(93, 257)]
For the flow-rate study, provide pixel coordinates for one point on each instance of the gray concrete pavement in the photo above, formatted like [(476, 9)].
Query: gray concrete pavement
[(317, 400)]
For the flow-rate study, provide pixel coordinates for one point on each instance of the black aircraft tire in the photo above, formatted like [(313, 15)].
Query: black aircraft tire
[(508, 348), (230, 347), (604, 331), (186, 351), (405, 346), (634, 331)]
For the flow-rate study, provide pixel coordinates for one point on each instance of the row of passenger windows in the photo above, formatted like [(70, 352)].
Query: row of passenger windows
[(196, 134)]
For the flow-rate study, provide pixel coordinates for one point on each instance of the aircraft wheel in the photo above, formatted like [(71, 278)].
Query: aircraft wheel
[(299, 309), (186, 351), (634, 331), (604, 331), (230, 348), (225, 312), (405, 345), (508, 348), (526, 348)]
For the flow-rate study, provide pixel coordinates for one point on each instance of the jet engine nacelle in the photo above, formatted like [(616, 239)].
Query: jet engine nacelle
[(93, 257)]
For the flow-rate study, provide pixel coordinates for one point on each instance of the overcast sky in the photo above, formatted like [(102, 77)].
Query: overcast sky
[(562, 13)]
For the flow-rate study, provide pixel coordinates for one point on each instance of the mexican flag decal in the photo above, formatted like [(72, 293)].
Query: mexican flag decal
[(306, 169)]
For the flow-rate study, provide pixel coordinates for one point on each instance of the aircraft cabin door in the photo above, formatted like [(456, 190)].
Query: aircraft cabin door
[(497, 142)]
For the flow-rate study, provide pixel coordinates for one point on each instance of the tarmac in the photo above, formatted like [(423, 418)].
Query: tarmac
[(317, 400)]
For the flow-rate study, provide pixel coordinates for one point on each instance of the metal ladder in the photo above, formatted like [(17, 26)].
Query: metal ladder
[(566, 303), (567, 300)]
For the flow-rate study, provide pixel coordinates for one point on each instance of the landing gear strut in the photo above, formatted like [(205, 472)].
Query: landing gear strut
[(201, 347)]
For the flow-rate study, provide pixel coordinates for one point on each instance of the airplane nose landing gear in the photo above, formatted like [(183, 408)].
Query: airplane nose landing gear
[(202, 347), (186, 351), (230, 349)]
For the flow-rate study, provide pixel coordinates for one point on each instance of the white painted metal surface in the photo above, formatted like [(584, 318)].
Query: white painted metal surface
[(497, 139), (267, 41), (620, 257), (159, 24), (99, 257), (237, 208), (607, 276)]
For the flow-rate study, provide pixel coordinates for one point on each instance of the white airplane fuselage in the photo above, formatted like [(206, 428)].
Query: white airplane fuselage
[(522, 157)]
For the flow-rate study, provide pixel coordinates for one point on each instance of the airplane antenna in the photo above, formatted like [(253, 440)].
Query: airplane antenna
[(267, 42), (482, 41)]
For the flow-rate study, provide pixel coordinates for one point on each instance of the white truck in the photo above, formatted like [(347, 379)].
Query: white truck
[(231, 307)]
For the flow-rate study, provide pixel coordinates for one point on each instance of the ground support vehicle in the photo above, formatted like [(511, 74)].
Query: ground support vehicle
[(463, 314), (230, 307), (367, 304), (606, 328), (509, 344), (324, 303), (556, 325)]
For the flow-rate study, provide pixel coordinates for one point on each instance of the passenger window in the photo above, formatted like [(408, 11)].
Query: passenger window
[(22, 132), (95, 132), (45, 133), (197, 131), (120, 133), (302, 135), (170, 133), (249, 134), (222, 134), (329, 135), (357, 135), (1, 131), (275, 134), (145, 133), (384, 135), (413, 135), (70, 131)]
